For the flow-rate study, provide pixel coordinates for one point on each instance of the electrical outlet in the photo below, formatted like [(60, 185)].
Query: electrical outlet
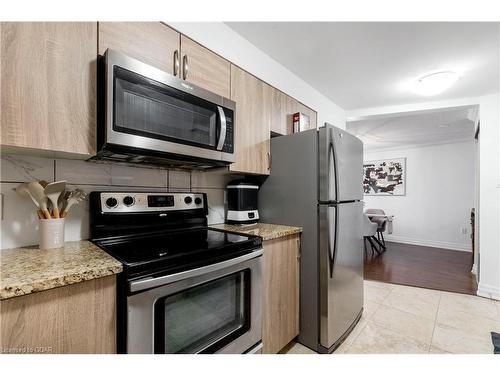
[(464, 230)]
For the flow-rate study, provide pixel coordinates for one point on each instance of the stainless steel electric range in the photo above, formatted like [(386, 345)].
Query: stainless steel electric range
[(185, 288)]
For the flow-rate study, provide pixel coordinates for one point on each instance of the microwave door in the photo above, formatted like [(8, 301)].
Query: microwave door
[(150, 111)]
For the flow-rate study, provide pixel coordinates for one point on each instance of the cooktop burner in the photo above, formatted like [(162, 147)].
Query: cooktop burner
[(174, 246)]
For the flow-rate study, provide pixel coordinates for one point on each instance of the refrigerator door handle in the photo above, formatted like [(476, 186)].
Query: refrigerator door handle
[(333, 183), (332, 235)]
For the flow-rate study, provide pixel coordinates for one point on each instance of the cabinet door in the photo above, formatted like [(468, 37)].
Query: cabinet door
[(280, 286), (282, 110), (48, 86), (277, 123), (150, 42), (252, 132), (307, 111), (73, 319), (205, 68)]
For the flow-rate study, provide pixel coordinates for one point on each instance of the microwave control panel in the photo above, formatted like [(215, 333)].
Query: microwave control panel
[(228, 143)]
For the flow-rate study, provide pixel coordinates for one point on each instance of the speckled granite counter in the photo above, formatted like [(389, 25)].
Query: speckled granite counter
[(27, 270), (266, 231)]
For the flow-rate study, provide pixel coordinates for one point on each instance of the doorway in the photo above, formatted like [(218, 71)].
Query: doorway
[(420, 171)]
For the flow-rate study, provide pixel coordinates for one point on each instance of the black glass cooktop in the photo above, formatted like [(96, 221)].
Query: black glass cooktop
[(176, 248)]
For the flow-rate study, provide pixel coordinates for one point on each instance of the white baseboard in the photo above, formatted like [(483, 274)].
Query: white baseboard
[(488, 291), (430, 243), (474, 270)]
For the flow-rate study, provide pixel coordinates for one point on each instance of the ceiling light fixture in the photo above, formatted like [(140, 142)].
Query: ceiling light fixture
[(435, 83)]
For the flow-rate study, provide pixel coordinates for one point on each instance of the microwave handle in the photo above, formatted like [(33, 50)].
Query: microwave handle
[(223, 129)]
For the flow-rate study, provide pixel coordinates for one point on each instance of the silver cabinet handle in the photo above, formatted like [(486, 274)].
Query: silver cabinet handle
[(176, 62), (223, 128), (185, 67), (269, 161), (151, 282)]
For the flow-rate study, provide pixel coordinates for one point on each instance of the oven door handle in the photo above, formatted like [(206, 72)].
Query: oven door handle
[(223, 128), (151, 282)]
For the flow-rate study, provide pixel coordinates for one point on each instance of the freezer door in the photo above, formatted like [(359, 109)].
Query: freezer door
[(340, 165), (341, 269)]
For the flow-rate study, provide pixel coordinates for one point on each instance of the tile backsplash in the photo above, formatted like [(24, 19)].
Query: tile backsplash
[(19, 221)]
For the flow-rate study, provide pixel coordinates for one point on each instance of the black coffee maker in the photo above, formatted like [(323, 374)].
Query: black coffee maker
[(242, 202)]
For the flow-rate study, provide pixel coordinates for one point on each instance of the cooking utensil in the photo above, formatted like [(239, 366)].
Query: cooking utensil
[(36, 191), (75, 196), (63, 199), (23, 191), (53, 191)]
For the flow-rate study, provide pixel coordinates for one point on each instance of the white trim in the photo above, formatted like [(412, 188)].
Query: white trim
[(488, 291), (383, 112), (474, 270), (430, 243), (374, 150)]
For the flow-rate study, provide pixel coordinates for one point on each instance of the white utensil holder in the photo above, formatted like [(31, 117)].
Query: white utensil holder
[(51, 233)]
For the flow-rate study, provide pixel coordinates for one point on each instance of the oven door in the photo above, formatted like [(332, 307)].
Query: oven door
[(212, 309), (151, 110)]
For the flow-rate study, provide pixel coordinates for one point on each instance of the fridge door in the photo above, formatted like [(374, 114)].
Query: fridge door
[(341, 269), (340, 165)]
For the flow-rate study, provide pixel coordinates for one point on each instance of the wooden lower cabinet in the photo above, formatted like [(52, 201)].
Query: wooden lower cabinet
[(280, 288), (78, 318)]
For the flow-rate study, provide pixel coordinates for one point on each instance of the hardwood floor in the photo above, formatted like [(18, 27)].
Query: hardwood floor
[(421, 266)]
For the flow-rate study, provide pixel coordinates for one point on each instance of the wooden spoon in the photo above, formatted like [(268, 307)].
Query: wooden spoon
[(53, 191), (36, 191), (23, 191)]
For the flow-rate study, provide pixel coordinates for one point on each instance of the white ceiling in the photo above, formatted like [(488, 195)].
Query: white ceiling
[(416, 129), (369, 64)]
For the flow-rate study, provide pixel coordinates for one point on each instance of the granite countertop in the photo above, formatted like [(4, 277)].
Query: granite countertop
[(27, 270), (264, 230)]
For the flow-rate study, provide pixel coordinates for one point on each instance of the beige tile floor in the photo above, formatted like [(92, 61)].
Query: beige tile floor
[(403, 319)]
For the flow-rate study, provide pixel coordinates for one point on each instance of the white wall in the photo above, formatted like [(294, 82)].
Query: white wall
[(439, 195), (489, 180), (489, 197), (224, 41)]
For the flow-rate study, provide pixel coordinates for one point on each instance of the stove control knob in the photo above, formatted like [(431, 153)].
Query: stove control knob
[(111, 202), (128, 201), (197, 200), (188, 200)]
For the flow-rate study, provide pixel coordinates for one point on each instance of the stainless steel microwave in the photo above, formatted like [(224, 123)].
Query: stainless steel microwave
[(148, 116)]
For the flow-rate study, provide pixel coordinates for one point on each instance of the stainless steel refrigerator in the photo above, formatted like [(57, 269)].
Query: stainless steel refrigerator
[(316, 183)]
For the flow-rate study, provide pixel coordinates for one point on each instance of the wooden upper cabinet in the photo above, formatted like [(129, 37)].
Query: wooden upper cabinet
[(307, 111), (283, 107), (205, 68), (48, 86), (153, 43), (280, 292), (252, 125)]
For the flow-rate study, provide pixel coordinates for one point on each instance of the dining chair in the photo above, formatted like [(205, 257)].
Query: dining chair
[(369, 230)]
